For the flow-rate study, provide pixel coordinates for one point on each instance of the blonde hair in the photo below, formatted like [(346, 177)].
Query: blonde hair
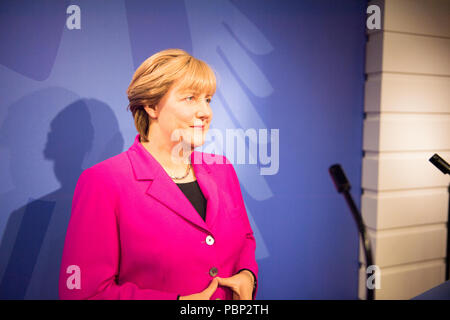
[(156, 75)]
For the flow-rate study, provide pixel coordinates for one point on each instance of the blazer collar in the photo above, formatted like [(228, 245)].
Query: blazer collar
[(165, 190)]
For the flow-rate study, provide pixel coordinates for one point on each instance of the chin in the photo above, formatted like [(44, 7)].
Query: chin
[(194, 140), (197, 143)]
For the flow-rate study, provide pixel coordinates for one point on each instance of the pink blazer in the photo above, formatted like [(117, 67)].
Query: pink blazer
[(134, 235)]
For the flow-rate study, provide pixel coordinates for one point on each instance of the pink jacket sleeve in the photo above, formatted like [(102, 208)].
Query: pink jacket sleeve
[(247, 259), (92, 246)]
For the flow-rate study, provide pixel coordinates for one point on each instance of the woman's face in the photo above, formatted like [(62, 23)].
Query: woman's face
[(184, 115)]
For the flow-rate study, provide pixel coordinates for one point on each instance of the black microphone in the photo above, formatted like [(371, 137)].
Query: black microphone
[(343, 186), (339, 178), (440, 163)]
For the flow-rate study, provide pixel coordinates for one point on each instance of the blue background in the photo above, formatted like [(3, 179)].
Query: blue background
[(296, 66)]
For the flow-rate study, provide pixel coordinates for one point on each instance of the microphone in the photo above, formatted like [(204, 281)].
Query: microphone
[(440, 163), (343, 186), (340, 180)]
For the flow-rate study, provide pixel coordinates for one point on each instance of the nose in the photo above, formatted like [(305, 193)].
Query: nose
[(204, 111)]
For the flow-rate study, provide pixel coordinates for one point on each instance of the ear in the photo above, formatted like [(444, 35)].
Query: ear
[(152, 112)]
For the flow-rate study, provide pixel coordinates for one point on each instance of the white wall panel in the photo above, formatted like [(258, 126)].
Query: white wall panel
[(429, 17), (374, 52), (407, 132), (416, 54), (387, 210), (407, 105), (407, 245), (391, 92), (406, 281), (407, 53), (405, 170)]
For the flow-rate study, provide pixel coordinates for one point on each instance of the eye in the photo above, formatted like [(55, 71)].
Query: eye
[(190, 98), (208, 100)]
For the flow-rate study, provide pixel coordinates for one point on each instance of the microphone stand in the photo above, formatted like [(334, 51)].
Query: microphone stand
[(444, 167), (343, 186)]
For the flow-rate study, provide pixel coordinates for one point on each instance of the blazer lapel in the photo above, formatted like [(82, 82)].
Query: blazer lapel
[(164, 189), (208, 186)]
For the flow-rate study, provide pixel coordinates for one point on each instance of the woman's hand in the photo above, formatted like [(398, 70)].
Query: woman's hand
[(241, 284), (205, 294)]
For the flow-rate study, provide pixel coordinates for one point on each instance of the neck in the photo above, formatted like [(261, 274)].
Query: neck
[(172, 155)]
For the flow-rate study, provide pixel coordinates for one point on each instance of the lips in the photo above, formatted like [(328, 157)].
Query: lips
[(198, 127)]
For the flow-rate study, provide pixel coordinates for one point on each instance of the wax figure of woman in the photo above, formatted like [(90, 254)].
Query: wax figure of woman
[(160, 220)]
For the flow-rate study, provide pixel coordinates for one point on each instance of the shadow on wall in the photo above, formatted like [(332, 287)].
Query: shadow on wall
[(81, 134)]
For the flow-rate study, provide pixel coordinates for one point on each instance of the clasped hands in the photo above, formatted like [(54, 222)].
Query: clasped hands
[(241, 284)]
